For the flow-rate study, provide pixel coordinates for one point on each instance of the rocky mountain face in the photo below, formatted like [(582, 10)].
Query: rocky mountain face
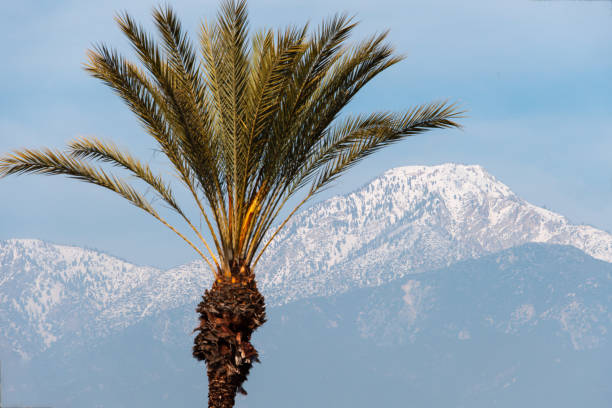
[(410, 220)]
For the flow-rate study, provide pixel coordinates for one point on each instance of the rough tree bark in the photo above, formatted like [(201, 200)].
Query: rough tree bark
[(229, 314)]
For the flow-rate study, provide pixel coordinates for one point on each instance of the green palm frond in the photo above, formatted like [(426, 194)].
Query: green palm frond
[(136, 91), (182, 56), (226, 58), (321, 51), (54, 162), (271, 69), (350, 73), (108, 152), (351, 144), (195, 128), (93, 148), (179, 112)]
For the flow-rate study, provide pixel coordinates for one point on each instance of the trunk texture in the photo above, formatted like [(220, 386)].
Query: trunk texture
[(221, 392), (229, 314)]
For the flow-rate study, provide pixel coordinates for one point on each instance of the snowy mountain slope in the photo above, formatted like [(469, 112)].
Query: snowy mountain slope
[(51, 291), (411, 219)]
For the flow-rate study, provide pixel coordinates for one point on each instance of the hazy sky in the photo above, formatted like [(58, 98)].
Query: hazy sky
[(536, 77)]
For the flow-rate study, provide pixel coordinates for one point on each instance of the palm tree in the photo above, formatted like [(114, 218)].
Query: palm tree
[(245, 125)]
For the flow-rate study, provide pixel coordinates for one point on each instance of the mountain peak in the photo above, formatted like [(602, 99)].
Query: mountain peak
[(412, 219), (456, 184), (450, 179)]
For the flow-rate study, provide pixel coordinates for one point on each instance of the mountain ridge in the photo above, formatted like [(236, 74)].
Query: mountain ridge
[(409, 220), (530, 323)]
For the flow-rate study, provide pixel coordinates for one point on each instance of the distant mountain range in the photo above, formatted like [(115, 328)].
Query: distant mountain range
[(527, 326), (421, 277)]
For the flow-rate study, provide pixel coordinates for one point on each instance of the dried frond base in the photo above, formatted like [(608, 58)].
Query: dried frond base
[(229, 314)]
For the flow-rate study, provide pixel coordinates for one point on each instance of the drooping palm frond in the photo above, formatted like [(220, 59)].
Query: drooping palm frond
[(53, 162), (93, 148), (245, 124)]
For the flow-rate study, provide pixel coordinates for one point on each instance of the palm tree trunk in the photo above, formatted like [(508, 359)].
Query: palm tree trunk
[(221, 392), (229, 314)]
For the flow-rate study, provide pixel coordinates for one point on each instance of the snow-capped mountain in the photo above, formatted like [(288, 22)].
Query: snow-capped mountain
[(411, 219)]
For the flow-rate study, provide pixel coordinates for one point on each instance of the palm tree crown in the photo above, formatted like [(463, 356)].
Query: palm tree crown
[(244, 124)]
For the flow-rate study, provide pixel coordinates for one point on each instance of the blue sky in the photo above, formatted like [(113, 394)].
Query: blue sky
[(536, 77)]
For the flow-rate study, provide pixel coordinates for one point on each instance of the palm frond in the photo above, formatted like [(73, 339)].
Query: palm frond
[(189, 91), (234, 66), (108, 152), (349, 71), (182, 57), (137, 92), (324, 48), (54, 162), (179, 113), (271, 69), (352, 146), (322, 51)]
